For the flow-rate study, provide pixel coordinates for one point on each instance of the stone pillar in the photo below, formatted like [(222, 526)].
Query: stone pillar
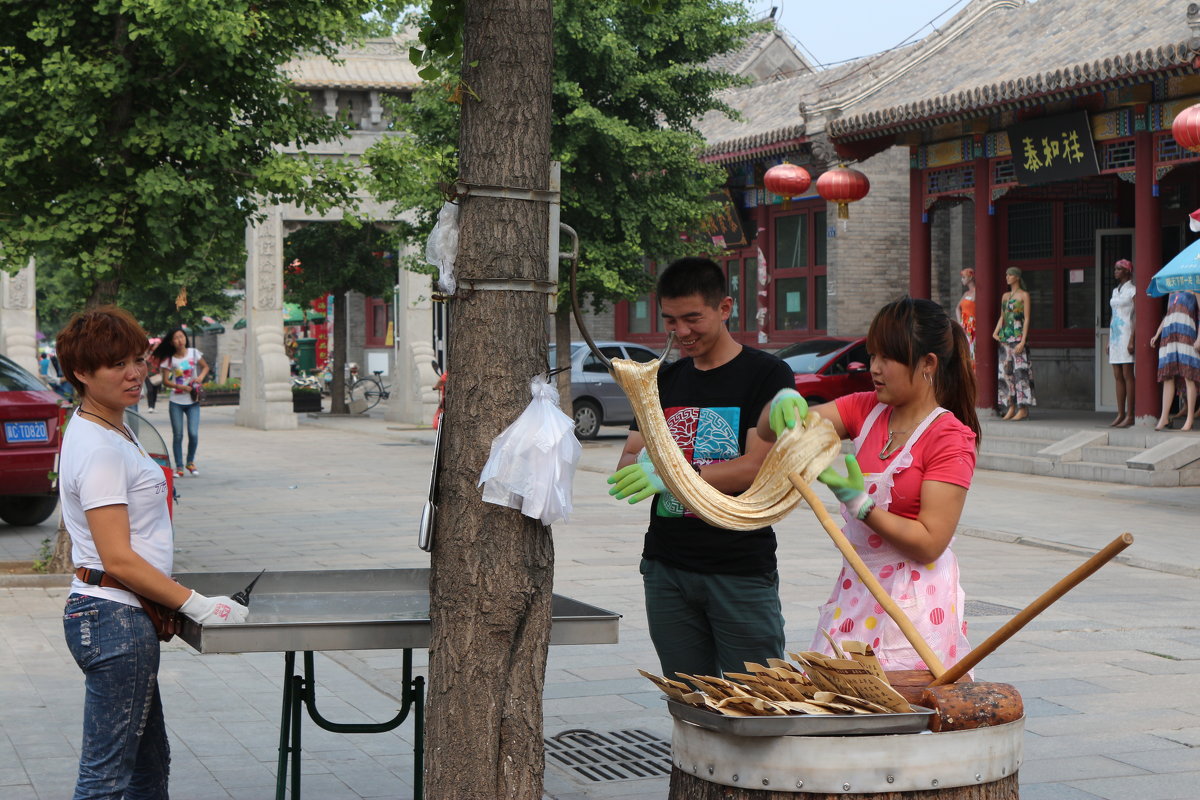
[(1147, 260), (413, 398), (266, 397), (18, 317)]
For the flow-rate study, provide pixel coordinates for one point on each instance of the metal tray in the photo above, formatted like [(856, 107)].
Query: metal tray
[(803, 724), (357, 609)]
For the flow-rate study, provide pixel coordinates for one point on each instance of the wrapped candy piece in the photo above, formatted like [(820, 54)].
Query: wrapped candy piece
[(532, 463)]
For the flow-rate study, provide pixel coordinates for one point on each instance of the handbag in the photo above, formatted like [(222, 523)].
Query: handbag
[(167, 621), (197, 393), (156, 379)]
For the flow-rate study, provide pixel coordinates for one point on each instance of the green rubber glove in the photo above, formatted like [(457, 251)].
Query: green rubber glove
[(850, 489), (787, 408), (637, 481)]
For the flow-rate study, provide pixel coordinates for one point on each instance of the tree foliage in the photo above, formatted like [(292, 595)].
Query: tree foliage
[(337, 258), (136, 136), (630, 81)]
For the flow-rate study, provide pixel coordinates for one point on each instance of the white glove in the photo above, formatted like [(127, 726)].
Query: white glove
[(213, 610)]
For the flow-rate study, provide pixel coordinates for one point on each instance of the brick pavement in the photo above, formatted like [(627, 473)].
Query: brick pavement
[(1108, 674)]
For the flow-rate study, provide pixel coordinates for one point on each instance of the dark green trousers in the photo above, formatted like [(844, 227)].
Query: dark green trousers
[(705, 624)]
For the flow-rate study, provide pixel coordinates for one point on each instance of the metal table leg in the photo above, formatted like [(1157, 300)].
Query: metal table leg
[(300, 691)]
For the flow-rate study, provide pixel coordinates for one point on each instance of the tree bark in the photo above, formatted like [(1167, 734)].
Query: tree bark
[(492, 568)]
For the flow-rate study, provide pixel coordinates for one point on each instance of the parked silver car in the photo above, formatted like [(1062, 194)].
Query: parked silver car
[(595, 397)]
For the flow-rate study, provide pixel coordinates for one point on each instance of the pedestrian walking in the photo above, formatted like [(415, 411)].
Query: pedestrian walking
[(183, 370)]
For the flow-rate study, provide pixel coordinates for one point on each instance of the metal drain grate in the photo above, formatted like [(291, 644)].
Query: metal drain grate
[(611, 756), (978, 608)]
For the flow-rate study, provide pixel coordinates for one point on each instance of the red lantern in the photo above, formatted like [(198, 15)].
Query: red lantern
[(1186, 128), (843, 186), (787, 180)]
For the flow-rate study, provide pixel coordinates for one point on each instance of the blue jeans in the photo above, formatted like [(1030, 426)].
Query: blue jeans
[(125, 754), (707, 624), (178, 412)]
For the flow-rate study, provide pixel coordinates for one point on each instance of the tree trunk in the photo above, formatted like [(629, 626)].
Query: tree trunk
[(337, 357), (562, 357), (492, 568), (61, 560)]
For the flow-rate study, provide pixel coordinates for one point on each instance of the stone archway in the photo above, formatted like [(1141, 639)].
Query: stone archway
[(266, 397), (18, 317)]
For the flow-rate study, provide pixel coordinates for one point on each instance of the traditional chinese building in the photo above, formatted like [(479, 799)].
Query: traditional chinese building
[(1019, 134), (1044, 137)]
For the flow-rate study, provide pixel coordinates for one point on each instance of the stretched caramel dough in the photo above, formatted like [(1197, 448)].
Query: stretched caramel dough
[(807, 449)]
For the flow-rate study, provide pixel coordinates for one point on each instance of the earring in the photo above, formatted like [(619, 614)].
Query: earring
[(928, 380)]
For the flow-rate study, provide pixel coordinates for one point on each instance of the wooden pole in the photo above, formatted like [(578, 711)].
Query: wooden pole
[(868, 578), (1033, 609)]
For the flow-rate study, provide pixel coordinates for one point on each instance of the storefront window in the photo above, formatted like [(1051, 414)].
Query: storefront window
[(640, 316), (1030, 231), (791, 241), (791, 304), (1040, 284)]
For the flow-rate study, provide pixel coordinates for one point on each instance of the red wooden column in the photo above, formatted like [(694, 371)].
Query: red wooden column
[(1147, 260), (919, 260), (987, 288)]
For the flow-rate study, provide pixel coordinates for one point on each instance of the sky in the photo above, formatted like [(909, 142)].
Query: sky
[(846, 29)]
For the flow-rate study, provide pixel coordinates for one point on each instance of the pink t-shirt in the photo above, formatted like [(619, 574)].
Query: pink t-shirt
[(945, 452)]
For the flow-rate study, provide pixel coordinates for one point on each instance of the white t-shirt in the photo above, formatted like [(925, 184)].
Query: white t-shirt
[(100, 467), (184, 371)]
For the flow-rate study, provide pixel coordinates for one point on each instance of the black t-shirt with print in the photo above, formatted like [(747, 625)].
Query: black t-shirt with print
[(709, 413)]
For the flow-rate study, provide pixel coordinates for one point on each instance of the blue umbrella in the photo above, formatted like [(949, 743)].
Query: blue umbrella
[(1182, 273)]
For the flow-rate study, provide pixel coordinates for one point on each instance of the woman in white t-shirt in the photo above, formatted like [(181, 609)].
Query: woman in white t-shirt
[(114, 504), (183, 368)]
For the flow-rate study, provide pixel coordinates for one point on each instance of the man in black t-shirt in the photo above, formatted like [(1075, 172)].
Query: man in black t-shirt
[(712, 595)]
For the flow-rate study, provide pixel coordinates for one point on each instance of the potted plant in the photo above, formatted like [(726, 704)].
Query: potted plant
[(223, 393), (306, 398)]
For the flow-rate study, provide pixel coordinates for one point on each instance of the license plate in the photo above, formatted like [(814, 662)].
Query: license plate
[(15, 432)]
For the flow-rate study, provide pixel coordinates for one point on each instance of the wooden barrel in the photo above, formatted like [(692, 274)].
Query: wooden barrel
[(975, 764)]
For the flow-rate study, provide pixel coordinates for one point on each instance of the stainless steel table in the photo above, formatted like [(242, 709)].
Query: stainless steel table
[(371, 609)]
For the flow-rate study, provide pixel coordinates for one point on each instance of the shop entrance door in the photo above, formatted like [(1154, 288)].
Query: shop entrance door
[(1112, 244)]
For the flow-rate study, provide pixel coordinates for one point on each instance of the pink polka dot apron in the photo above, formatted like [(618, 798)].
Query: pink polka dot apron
[(929, 594)]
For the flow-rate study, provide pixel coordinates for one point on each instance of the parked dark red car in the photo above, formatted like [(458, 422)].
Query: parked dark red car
[(29, 425), (825, 369)]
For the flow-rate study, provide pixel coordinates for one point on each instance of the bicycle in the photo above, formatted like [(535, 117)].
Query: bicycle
[(370, 389)]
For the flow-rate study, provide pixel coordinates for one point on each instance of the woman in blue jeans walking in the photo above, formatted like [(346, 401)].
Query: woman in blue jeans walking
[(183, 368), (114, 503)]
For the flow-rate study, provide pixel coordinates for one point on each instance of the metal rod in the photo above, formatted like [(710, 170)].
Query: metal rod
[(310, 701), (1039, 605), (587, 337), (285, 726), (865, 575)]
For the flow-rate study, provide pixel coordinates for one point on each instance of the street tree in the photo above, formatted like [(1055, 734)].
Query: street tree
[(492, 567), (138, 136), (337, 258), (631, 81)]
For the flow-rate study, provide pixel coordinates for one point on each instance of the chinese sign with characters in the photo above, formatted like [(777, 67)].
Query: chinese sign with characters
[(725, 227), (1053, 149)]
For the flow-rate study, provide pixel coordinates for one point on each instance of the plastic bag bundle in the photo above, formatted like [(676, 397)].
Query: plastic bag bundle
[(532, 463), (441, 249)]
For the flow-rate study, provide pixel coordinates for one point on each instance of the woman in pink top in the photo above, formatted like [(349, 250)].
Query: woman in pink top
[(915, 440)]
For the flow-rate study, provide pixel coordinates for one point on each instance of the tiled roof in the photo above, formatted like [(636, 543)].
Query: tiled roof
[(1013, 51), (375, 64)]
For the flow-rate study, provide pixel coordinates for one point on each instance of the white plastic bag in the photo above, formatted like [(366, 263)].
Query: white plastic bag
[(441, 249), (532, 463)]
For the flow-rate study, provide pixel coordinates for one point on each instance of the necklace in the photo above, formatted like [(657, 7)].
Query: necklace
[(120, 430), (887, 445)]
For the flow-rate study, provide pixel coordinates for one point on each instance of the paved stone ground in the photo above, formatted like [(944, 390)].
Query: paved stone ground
[(1108, 674)]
